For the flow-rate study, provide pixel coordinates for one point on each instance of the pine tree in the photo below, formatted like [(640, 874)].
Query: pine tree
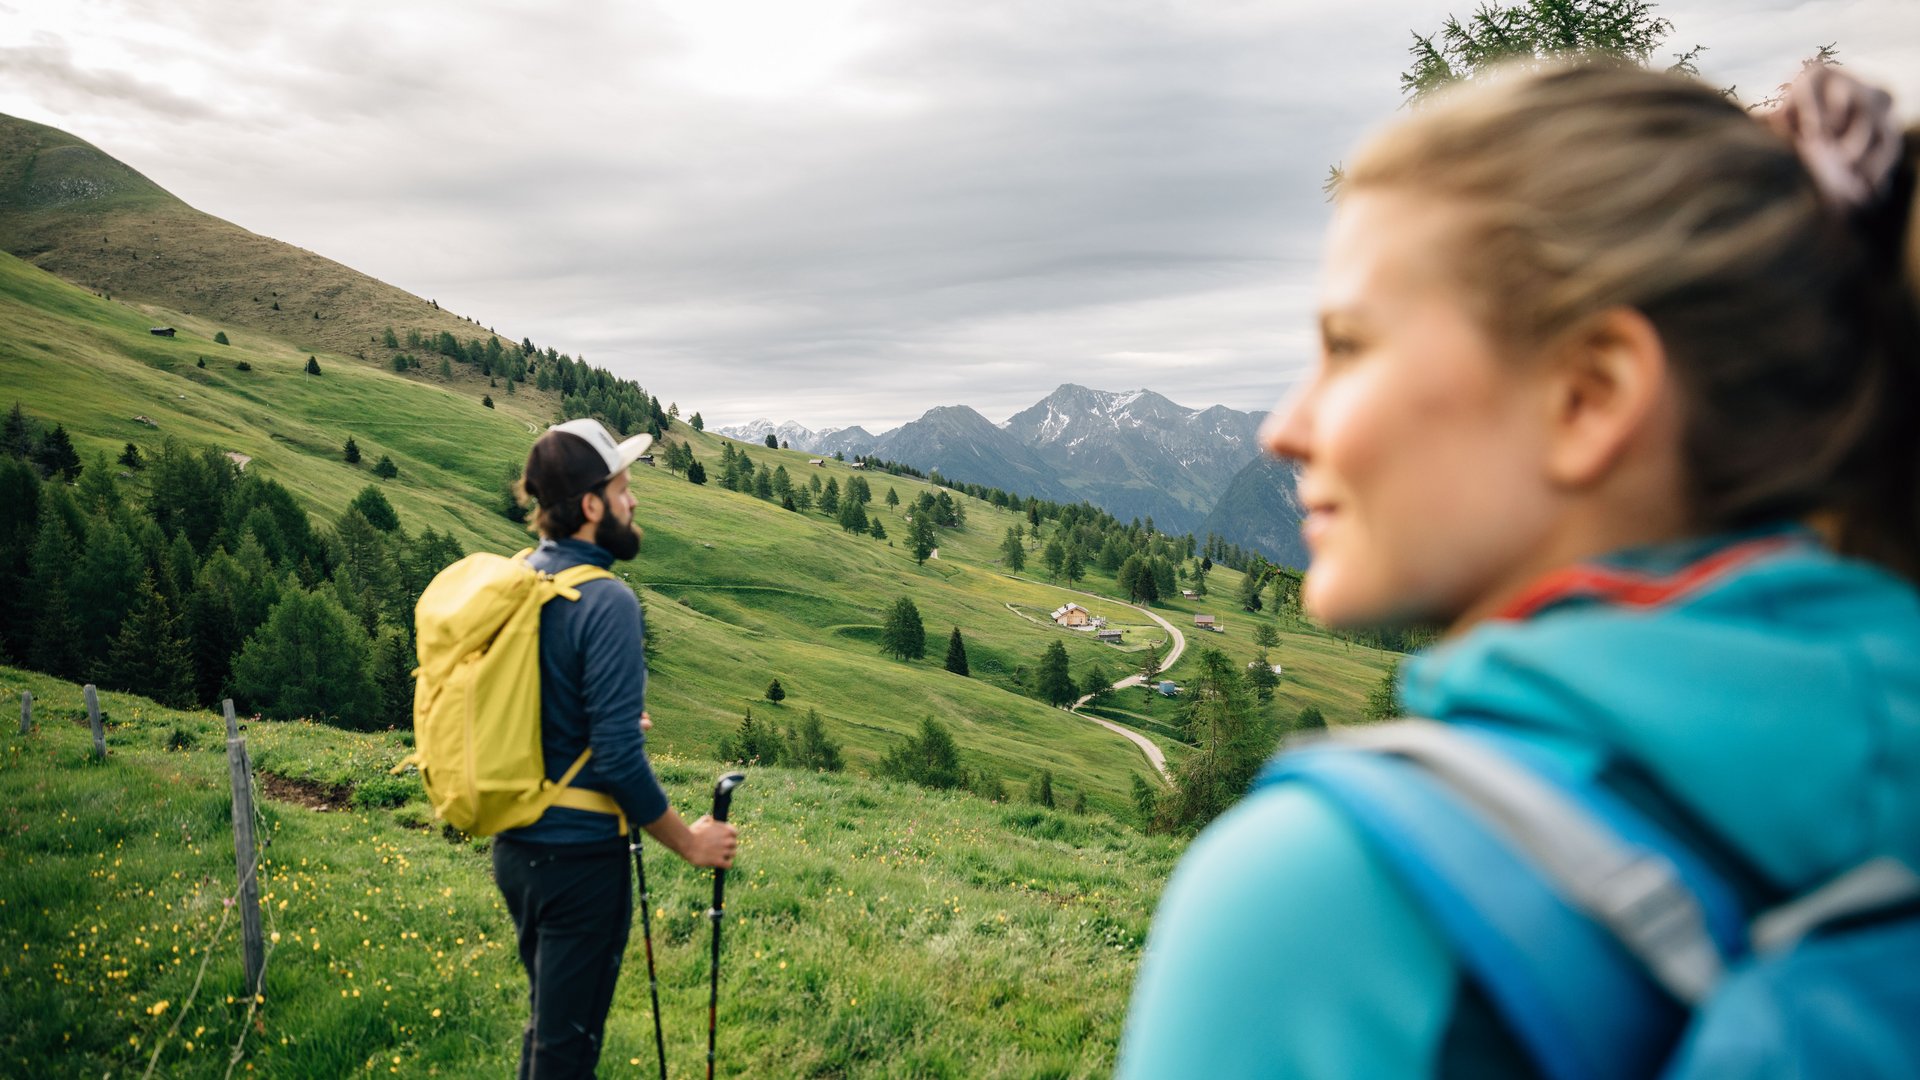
[(1076, 570), (930, 759), (1230, 743), (1097, 683), (875, 529), (1055, 556), (1040, 789), (957, 654), (352, 451), (103, 586), (130, 457), (830, 497), (811, 748), (1013, 551), (696, 472), (1383, 701), (752, 743), (893, 498), (16, 433), (56, 456), (53, 642), (775, 692), (385, 469), (376, 509), (904, 636), (1146, 802), (150, 655), (920, 538), (1056, 681), (309, 659), (1150, 667), (853, 516), (313, 365), (220, 337), (696, 423)]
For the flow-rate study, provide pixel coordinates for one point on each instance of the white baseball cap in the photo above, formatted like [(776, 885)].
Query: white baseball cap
[(619, 456)]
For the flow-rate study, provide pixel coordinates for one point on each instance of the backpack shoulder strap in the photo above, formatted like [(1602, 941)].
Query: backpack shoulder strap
[(1529, 888), (567, 582)]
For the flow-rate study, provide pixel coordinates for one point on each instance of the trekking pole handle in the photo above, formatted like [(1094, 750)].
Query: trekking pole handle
[(723, 794)]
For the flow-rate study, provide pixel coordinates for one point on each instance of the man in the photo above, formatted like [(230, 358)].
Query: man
[(565, 877)]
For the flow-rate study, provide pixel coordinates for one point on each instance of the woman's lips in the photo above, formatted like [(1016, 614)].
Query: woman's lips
[(1318, 519)]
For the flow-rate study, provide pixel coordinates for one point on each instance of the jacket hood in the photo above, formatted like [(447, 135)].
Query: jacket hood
[(1770, 686)]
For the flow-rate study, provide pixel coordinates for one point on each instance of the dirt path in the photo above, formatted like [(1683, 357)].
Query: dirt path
[(1147, 746)]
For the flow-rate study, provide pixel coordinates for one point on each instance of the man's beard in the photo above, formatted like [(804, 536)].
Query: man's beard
[(621, 538)]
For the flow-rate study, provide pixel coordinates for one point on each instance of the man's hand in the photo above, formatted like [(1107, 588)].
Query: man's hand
[(705, 843), (713, 843), (646, 722)]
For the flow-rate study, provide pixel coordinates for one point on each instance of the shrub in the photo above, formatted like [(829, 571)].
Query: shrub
[(930, 759), (220, 338)]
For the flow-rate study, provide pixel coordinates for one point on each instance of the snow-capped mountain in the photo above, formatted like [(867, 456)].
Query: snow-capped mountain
[(1134, 454), (1137, 453), (794, 435)]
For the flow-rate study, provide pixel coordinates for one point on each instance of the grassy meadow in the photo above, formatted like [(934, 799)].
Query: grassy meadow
[(873, 929)]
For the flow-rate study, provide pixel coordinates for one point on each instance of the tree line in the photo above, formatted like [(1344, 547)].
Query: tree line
[(213, 584)]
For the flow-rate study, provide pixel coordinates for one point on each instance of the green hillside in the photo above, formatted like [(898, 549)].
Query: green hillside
[(873, 929), (740, 592), (71, 209)]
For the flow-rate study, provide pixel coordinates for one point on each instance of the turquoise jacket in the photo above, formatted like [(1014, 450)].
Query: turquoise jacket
[(1769, 687)]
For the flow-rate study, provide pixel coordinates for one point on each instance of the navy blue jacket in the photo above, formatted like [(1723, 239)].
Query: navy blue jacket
[(593, 687)]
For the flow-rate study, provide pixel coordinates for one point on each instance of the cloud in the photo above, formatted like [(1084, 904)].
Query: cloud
[(52, 72), (826, 210)]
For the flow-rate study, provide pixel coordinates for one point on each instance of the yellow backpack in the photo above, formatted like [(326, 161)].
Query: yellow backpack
[(476, 696)]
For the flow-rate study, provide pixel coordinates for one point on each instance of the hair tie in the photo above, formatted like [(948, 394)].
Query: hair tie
[(1845, 132)]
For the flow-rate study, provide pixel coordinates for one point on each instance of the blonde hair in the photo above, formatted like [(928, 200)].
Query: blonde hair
[(1788, 322)]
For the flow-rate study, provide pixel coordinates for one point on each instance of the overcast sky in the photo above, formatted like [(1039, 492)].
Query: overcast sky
[(821, 210)]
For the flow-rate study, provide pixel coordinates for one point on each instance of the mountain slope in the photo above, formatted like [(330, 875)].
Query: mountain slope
[(1261, 510), (71, 209), (1137, 454)]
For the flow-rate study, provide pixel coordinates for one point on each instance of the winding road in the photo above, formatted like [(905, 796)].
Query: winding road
[(1147, 746)]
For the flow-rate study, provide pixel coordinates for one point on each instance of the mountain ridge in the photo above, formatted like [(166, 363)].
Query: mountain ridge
[(1134, 453)]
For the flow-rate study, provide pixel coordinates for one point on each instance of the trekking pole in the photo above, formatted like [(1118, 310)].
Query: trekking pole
[(646, 932), (722, 800)]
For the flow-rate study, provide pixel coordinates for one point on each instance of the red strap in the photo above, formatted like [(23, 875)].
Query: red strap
[(1628, 588)]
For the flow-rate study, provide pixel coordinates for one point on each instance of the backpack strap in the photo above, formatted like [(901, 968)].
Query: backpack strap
[(581, 799), (1880, 886), (1630, 884), (566, 584), (1530, 887)]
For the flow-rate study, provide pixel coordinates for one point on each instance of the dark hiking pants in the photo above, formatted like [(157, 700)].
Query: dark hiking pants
[(572, 906)]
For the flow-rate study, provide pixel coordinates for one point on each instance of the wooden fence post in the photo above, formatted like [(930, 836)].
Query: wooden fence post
[(93, 717), (26, 712), (245, 857)]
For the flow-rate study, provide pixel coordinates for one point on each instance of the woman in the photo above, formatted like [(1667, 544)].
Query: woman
[(1618, 384)]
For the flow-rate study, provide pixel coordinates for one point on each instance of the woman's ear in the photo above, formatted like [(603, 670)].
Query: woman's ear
[(1611, 389)]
